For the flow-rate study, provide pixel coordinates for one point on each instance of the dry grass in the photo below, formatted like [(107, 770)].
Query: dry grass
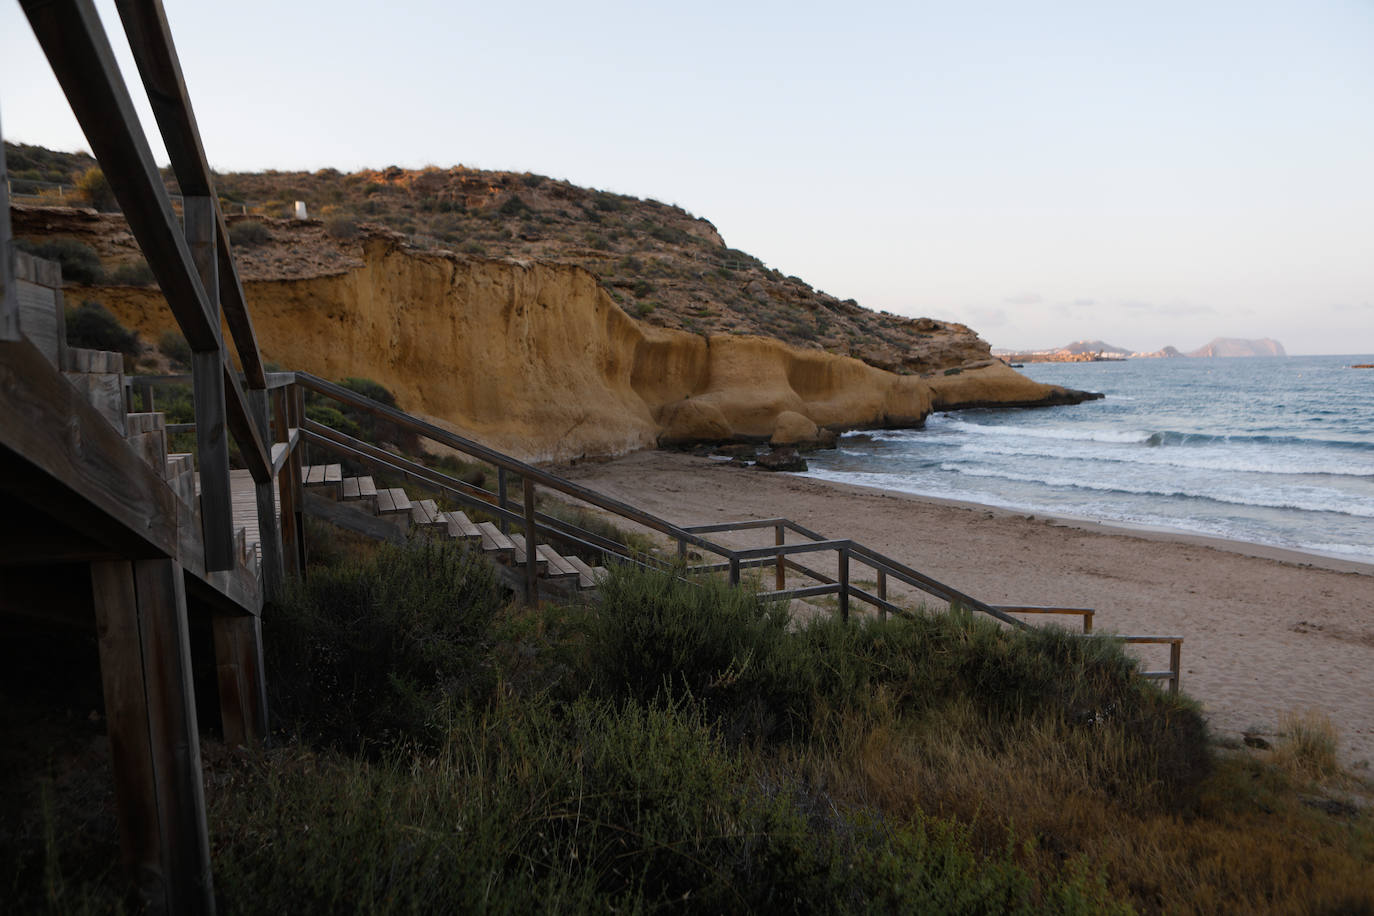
[(1307, 744)]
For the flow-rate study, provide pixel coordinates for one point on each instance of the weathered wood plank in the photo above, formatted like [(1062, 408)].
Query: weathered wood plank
[(58, 454), (154, 739), (242, 693), (351, 519)]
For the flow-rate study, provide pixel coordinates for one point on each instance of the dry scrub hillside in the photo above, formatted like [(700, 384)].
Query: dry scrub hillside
[(660, 263)]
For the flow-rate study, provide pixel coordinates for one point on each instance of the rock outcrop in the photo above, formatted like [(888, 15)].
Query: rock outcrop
[(535, 358)]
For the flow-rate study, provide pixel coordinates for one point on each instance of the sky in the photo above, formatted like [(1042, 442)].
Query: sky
[(1147, 174)]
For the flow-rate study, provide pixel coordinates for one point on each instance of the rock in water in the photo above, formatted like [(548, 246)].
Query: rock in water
[(781, 459)]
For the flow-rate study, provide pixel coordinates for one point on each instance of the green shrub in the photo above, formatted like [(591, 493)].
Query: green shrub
[(656, 637), (173, 345), (80, 263), (369, 653), (133, 273), (91, 325), (249, 234), (341, 227)]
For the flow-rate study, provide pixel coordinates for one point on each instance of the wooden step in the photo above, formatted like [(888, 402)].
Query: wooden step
[(181, 477), (587, 576), (541, 565), (559, 567), (147, 433), (494, 542), (460, 526), (391, 500), (318, 475), (361, 490), (426, 513), (99, 376)]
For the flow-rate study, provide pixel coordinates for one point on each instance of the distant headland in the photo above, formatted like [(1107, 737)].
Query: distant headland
[(1085, 351)]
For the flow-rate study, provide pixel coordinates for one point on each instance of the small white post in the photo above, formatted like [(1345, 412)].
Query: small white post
[(300, 210)]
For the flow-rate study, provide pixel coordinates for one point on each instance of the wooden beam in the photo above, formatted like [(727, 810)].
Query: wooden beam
[(242, 690), (60, 456), (245, 427), (9, 296), (76, 46), (145, 662), (150, 39)]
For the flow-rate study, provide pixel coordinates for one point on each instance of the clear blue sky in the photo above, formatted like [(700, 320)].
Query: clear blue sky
[(1148, 174)]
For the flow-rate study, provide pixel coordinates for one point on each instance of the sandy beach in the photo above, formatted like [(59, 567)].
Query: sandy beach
[(1265, 630)]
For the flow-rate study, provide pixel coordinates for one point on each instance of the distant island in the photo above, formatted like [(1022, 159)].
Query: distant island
[(1086, 351)]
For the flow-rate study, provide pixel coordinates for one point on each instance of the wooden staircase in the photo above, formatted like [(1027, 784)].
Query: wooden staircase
[(424, 517)]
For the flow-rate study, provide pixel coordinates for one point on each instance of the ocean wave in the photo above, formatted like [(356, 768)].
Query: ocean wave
[(1290, 462), (1150, 438), (1258, 497)]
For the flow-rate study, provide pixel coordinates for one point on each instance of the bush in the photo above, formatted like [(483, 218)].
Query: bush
[(91, 325), (80, 263), (341, 227), (173, 345), (657, 637), (96, 187), (370, 652), (249, 234), (133, 273)]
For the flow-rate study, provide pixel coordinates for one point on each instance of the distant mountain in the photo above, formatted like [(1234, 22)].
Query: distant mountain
[(1236, 346)]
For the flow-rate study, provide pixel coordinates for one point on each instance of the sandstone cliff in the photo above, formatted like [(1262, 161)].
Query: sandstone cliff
[(536, 358)]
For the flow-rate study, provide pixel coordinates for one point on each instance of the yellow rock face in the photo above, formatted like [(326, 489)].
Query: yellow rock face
[(534, 358), (793, 429)]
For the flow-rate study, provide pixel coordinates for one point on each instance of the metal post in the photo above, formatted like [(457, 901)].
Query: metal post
[(780, 538), (844, 584), (501, 499), (531, 570)]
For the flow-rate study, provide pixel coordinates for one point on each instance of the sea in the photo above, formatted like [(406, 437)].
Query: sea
[(1268, 450)]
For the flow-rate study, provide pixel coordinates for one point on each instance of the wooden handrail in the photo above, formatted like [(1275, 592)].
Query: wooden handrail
[(75, 43), (499, 460), (1084, 612), (150, 40)]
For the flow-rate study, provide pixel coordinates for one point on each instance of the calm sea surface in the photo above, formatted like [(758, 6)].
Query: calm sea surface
[(1276, 451)]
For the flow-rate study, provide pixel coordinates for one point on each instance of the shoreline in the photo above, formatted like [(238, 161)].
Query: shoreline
[(1291, 555), (1266, 630)]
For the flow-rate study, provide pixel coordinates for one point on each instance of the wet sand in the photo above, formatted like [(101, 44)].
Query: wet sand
[(1265, 630)]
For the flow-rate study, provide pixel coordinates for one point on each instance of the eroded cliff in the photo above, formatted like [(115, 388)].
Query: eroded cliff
[(535, 358)]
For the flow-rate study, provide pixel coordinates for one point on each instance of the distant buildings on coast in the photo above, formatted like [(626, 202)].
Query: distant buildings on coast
[(1095, 351)]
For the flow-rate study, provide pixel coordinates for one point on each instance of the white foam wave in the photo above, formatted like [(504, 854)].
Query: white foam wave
[(1293, 462), (1259, 497)]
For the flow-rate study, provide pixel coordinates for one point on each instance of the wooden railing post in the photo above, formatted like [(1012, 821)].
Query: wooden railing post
[(780, 574), (882, 593), (734, 570), (145, 667), (296, 415), (269, 527), (501, 501), (531, 535), (242, 685), (844, 584), (1175, 664), (9, 296), (207, 371), (281, 432)]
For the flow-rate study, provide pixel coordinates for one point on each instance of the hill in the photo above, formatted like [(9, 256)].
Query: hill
[(661, 264), (1236, 346)]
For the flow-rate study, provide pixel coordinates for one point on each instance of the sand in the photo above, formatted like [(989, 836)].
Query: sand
[(1265, 631)]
